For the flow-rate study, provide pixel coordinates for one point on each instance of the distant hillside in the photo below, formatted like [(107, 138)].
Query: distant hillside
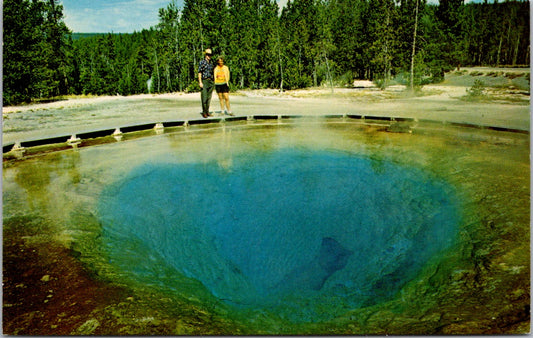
[(77, 36)]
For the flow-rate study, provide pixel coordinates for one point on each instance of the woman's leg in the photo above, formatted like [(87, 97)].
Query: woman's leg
[(226, 99), (221, 100)]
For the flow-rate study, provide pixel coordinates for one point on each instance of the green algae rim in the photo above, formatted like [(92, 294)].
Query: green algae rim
[(475, 256)]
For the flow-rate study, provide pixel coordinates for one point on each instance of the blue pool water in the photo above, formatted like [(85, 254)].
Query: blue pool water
[(307, 235)]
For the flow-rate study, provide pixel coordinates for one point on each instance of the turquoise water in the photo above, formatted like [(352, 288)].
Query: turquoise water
[(306, 235)]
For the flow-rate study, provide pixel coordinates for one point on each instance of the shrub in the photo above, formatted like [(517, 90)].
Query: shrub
[(346, 79), (193, 87), (477, 91), (381, 83), (437, 75)]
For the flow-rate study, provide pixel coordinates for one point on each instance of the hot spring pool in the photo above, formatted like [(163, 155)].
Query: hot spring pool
[(310, 227), (287, 230)]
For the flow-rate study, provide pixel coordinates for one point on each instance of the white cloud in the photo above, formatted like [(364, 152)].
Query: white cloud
[(111, 16), (119, 16)]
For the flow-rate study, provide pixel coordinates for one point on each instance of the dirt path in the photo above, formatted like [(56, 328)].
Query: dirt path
[(440, 103)]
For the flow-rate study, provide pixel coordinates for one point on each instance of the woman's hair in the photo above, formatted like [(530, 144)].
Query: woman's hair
[(220, 58)]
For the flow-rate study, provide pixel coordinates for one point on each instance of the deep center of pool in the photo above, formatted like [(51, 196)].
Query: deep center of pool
[(307, 235)]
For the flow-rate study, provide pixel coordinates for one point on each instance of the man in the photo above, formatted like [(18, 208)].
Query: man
[(206, 81)]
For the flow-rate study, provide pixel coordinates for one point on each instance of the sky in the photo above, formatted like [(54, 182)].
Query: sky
[(116, 16), (122, 16)]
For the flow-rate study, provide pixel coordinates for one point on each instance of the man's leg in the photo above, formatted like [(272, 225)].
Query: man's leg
[(204, 98), (209, 85)]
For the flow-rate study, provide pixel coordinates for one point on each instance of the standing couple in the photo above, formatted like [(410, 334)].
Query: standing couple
[(210, 76)]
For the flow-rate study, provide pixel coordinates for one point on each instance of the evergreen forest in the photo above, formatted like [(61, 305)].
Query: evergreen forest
[(303, 44)]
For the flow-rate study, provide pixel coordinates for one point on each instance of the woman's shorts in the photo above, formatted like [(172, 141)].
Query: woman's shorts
[(222, 88)]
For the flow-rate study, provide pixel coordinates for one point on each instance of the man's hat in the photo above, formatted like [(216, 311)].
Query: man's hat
[(208, 51)]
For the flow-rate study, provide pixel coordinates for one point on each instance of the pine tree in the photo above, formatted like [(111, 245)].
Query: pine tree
[(36, 46), (382, 18), (449, 15), (298, 35), (350, 37), (168, 39), (311, 42)]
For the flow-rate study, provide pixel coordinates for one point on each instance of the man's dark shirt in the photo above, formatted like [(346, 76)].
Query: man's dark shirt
[(206, 68)]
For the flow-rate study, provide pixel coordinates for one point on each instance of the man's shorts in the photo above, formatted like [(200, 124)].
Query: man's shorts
[(222, 88)]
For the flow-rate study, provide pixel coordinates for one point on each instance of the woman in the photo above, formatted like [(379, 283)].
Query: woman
[(222, 85)]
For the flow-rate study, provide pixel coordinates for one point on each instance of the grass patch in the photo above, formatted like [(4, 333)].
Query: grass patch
[(477, 92), (59, 98), (514, 75), (504, 93)]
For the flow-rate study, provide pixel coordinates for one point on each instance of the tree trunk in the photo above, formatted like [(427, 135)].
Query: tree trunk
[(386, 50), (300, 62), (280, 65), (499, 50), (315, 81), (178, 60), (167, 75), (329, 73), (281, 74), (412, 84), (157, 72), (515, 54)]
